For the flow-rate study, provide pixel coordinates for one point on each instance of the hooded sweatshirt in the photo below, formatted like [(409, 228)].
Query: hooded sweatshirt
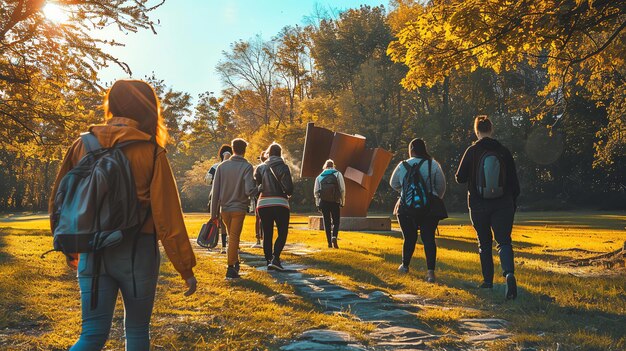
[(318, 185), (275, 184), (232, 186), (155, 187), (467, 174)]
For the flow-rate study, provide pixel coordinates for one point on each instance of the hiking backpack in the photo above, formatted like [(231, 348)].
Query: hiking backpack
[(490, 175), (414, 197), (329, 188), (96, 204)]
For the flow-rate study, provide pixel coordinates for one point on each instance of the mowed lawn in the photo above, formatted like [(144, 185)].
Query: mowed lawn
[(559, 307)]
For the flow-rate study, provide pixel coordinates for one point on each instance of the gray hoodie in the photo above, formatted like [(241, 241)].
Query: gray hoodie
[(233, 185)]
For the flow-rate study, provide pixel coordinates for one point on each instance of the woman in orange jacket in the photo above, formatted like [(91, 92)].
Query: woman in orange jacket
[(132, 113)]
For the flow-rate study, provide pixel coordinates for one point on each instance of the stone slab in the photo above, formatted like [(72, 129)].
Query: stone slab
[(354, 223)]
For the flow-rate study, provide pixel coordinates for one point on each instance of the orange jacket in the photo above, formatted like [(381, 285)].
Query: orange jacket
[(161, 193)]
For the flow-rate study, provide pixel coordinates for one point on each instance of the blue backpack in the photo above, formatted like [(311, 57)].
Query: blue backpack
[(490, 175), (415, 195)]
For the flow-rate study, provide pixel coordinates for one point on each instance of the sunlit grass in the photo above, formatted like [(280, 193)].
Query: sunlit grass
[(40, 306)]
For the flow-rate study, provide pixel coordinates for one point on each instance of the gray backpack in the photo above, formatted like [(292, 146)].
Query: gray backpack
[(96, 204), (491, 175)]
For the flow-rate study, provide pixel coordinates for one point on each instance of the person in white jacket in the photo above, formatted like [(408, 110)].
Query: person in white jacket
[(435, 180), (330, 196)]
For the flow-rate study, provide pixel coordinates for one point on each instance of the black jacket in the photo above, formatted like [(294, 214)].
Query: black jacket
[(278, 183), (467, 174)]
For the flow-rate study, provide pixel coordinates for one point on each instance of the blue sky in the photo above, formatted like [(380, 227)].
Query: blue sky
[(193, 34)]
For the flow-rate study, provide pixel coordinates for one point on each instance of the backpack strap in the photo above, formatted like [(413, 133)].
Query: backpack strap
[(90, 142)]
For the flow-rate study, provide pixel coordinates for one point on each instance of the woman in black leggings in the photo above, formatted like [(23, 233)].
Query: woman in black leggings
[(275, 187), (435, 182)]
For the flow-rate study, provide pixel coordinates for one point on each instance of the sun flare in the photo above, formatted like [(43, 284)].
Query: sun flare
[(55, 13)]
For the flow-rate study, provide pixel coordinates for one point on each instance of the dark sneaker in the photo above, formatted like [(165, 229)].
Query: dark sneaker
[(403, 269), (334, 241), (510, 292), (430, 276), (485, 285), (275, 265), (231, 273)]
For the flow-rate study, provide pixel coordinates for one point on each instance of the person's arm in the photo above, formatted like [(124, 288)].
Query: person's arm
[(72, 157), (465, 166), (168, 219), (512, 175), (208, 178), (249, 184), (316, 191), (439, 180), (287, 181), (258, 176), (396, 177), (342, 187), (215, 193)]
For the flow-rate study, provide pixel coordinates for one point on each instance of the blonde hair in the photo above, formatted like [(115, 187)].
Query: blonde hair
[(329, 163), (136, 99)]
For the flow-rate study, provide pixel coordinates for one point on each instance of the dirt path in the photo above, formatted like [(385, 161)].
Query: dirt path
[(395, 316)]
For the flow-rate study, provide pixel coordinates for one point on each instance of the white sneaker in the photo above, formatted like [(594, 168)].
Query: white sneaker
[(403, 269)]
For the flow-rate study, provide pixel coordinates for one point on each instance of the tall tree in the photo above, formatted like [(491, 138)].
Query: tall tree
[(577, 42), (44, 65)]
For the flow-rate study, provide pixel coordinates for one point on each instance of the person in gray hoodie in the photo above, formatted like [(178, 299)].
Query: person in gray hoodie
[(233, 185), (435, 181)]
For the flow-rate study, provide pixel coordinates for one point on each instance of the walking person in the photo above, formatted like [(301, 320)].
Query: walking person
[(224, 154), (258, 227), (233, 186), (275, 187), (133, 125), (422, 185), (330, 196), (489, 170)]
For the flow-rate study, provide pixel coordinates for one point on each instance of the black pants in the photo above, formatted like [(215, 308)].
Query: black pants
[(500, 220), (332, 219), (269, 216), (427, 227)]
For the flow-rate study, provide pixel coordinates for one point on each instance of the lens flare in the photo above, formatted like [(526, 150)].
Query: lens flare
[(55, 13)]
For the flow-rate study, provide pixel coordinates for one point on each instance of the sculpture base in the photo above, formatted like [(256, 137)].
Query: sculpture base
[(354, 223)]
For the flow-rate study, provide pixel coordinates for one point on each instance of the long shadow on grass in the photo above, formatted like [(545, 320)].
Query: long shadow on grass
[(466, 245)]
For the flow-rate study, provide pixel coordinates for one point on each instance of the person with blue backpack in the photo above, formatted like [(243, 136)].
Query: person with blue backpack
[(114, 197), (330, 195), (422, 185), (489, 170)]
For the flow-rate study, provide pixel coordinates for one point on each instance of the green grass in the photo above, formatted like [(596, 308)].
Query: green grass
[(578, 309)]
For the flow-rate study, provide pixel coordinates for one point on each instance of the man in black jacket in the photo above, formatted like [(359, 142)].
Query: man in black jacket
[(491, 207)]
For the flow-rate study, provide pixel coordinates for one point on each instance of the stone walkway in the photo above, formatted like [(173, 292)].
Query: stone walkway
[(395, 317)]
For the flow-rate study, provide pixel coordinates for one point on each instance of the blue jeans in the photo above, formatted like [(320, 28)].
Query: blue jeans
[(116, 276), (490, 222)]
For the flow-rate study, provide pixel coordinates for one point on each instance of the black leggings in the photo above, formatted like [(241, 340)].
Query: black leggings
[(426, 226), (331, 213), (269, 216)]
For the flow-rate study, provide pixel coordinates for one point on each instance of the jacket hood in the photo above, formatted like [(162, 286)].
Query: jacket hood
[(118, 129), (489, 143), (274, 160), (328, 171)]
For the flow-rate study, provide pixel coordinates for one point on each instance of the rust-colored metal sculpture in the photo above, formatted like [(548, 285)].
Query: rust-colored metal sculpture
[(361, 167)]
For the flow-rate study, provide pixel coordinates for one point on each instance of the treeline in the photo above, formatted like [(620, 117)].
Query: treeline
[(338, 72)]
